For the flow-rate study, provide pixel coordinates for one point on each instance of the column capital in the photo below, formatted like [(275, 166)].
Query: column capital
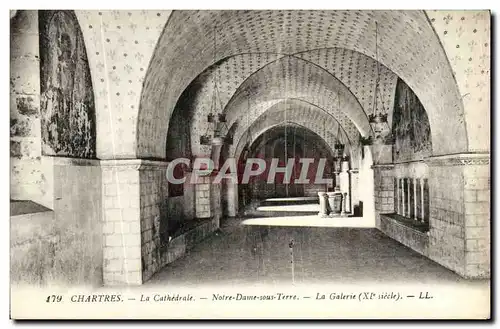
[(134, 164), (384, 166), (459, 159), (65, 161)]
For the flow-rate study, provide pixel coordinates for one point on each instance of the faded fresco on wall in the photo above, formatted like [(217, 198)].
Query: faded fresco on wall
[(67, 100), (410, 126)]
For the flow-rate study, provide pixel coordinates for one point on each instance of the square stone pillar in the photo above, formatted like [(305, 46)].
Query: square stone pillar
[(384, 188), (121, 224), (134, 218), (202, 193), (153, 216), (231, 198), (355, 196), (459, 188), (31, 174)]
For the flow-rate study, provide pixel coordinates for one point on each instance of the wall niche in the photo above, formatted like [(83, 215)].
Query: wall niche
[(67, 99)]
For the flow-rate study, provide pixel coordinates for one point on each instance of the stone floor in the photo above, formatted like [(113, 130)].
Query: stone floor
[(250, 254)]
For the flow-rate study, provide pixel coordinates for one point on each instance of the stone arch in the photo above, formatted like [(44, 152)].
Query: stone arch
[(273, 85), (291, 77), (306, 81), (359, 76), (291, 122), (286, 141), (67, 98), (306, 115), (405, 37)]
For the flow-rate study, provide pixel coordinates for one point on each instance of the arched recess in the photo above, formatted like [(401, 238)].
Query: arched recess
[(356, 71), (291, 78), (285, 141), (310, 121), (407, 46), (308, 115), (278, 81), (261, 127), (67, 98)]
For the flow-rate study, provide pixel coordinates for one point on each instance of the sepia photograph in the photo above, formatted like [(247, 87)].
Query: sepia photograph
[(250, 164)]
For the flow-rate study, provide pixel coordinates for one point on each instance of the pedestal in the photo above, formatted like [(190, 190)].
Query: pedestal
[(334, 203), (343, 212), (323, 209), (345, 187)]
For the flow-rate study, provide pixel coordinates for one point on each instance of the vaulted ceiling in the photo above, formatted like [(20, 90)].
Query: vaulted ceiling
[(355, 71), (300, 139), (333, 55), (295, 113)]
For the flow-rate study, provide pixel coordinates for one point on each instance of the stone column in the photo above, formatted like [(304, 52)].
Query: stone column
[(121, 222), (459, 196), (409, 198), (217, 143), (403, 197), (399, 196), (355, 193), (384, 188), (422, 204), (415, 200), (323, 209), (345, 186), (343, 211), (232, 199), (31, 174)]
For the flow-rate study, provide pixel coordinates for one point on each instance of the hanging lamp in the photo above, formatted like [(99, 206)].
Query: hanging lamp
[(339, 146), (378, 118), (248, 142), (216, 119)]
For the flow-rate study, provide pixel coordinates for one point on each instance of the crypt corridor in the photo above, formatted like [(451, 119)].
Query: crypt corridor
[(396, 103)]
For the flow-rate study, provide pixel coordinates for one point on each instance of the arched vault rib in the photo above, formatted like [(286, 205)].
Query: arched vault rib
[(297, 79), (287, 78), (295, 116), (291, 124), (298, 111), (311, 118), (355, 70), (407, 46)]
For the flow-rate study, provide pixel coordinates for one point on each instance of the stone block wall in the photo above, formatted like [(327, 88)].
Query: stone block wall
[(446, 224), (121, 222), (136, 236), (78, 256), (202, 197), (31, 176), (32, 247), (410, 237), (384, 188), (154, 216), (459, 223), (63, 246), (477, 219)]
